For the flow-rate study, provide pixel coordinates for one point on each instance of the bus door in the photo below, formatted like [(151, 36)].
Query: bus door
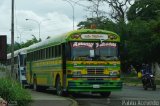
[(18, 73), (21, 67)]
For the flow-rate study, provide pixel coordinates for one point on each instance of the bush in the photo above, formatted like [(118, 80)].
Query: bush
[(12, 91), (2, 69)]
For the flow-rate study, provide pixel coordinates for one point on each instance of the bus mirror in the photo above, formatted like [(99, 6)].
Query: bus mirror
[(91, 53)]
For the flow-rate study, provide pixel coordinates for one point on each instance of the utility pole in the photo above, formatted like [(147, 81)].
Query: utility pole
[(12, 39), (72, 5)]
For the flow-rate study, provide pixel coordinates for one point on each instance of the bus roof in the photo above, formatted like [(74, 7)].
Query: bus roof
[(22, 51), (70, 37)]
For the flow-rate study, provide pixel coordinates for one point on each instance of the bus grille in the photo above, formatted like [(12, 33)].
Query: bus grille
[(95, 71)]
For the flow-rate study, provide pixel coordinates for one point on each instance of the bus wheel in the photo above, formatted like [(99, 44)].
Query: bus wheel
[(58, 87), (105, 94)]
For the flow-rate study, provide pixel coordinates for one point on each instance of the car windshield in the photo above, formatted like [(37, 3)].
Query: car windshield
[(94, 51)]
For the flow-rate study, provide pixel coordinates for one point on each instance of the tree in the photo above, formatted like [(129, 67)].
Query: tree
[(139, 41), (140, 33), (144, 37), (30, 42), (119, 9), (144, 10), (22, 45), (155, 38), (95, 8), (100, 22)]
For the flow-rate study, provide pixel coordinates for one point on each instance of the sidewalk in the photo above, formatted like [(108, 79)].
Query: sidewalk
[(45, 99)]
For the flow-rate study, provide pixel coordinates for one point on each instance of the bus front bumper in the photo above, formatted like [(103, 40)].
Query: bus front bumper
[(94, 86)]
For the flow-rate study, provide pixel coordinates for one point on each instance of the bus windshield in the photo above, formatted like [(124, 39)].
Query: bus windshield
[(81, 50), (106, 51), (94, 51)]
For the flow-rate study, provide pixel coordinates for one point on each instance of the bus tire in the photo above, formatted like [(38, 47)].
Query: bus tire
[(35, 87), (105, 94), (59, 90)]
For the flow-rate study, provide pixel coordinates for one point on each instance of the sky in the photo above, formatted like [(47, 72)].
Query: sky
[(53, 16)]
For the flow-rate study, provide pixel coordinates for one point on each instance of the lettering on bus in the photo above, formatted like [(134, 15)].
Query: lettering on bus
[(82, 44), (105, 45), (94, 36)]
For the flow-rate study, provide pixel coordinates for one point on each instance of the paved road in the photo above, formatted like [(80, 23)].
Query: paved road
[(134, 96), (49, 98)]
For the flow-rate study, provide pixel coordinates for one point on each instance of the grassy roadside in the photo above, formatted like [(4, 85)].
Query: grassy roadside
[(2, 69), (133, 79), (12, 92)]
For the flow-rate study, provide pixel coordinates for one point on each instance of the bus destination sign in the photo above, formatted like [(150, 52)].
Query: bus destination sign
[(94, 36)]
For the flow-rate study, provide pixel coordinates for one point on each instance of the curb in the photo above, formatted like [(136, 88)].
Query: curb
[(131, 84), (74, 103), (139, 85)]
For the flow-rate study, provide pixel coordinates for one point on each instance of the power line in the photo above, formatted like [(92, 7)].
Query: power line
[(79, 4), (88, 7)]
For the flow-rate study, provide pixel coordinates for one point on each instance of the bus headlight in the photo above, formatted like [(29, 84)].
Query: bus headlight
[(77, 73), (113, 73)]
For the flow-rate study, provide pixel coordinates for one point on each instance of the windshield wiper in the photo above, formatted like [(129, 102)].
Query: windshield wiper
[(80, 58), (108, 58)]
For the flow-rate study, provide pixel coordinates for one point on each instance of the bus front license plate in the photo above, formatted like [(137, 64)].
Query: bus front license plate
[(96, 86)]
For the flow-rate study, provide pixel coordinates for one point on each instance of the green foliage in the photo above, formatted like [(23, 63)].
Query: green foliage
[(2, 69), (29, 42), (131, 80), (139, 41), (12, 91), (144, 10), (155, 38), (22, 45), (101, 23), (144, 41), (140, 36)]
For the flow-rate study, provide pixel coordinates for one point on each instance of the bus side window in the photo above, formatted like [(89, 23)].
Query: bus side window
[(44, 53), (56, 49), (59, 51), (47, 52), (40, 55), (24, 60), (53, 51), (32, 56), (35, 55), (68, 51), (50, 51)]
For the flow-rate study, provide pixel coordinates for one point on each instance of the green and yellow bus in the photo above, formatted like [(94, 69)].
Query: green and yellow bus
[(85, 60)]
